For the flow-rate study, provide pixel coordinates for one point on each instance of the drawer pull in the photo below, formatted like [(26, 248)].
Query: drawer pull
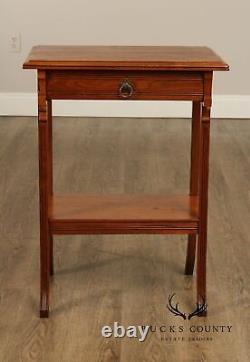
[(126, 89)]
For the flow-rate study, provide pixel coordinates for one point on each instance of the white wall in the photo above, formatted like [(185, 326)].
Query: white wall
[(220, 24)]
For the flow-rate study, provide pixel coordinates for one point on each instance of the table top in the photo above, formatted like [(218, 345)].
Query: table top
[(124, 57)]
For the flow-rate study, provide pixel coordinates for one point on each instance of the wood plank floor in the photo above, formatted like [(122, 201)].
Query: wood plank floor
[(127, 278)]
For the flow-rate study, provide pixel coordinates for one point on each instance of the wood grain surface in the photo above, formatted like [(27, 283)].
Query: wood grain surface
[(100, 279), (124, 57), (123, 214), (78, 84)]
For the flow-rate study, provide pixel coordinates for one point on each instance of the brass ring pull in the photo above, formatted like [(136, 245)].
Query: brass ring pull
[(126, 89)]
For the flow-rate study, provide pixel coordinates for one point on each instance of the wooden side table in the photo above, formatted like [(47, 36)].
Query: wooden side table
[(122, 73)]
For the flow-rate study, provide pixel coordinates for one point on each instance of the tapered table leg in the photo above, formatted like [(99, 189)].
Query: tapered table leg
[(194, 180), (50, 175), (203, 208), (43, 130)]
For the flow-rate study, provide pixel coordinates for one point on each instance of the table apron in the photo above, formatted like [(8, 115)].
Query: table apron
[(144, 85)]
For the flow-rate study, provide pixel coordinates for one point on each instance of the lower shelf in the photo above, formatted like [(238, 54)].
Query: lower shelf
[(123, 214)]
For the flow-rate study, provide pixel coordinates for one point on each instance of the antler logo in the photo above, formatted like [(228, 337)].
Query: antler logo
[(200, 308)]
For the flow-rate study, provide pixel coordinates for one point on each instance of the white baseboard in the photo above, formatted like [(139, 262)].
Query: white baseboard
[(25, 104)]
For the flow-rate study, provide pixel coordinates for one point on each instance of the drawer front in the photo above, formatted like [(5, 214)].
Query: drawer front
[(151, 85)]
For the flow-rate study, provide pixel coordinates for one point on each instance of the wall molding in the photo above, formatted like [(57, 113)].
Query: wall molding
[(24, 104)]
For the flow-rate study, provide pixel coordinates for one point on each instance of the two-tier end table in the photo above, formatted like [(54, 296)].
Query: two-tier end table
[(125, 73)]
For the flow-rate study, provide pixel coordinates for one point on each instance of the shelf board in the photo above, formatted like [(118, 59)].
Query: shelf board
[(123, 214)]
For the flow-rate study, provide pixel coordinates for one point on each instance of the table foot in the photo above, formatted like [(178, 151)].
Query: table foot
[(44, 313), (190, 258), (203, 314), (44, 308)]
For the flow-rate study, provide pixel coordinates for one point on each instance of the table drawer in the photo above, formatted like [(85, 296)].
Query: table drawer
[(126, 85)]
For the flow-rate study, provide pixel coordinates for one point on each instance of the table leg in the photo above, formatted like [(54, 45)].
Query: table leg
[(50, 172), (194, 180), (203, 208), (43, 137)]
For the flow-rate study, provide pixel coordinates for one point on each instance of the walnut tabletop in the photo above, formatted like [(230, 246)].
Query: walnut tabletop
[(124, 57)]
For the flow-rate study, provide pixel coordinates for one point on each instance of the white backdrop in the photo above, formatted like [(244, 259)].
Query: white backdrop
[(222, 25)]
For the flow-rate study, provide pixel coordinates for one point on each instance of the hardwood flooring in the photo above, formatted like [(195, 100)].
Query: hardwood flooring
[(100, 279)]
